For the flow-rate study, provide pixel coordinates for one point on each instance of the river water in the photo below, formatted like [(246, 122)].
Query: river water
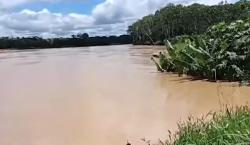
[(98, 96)]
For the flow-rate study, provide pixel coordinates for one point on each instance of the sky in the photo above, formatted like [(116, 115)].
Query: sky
[(62, 18)]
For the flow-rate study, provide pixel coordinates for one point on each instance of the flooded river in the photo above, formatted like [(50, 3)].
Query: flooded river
[(98, 96)]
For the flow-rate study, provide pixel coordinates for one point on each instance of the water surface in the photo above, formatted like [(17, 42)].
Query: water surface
[(98, 96)]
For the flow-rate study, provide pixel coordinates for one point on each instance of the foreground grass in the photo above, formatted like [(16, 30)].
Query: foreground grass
[(228, 127)]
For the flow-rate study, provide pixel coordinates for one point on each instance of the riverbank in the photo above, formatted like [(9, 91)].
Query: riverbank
[(79, 40), (230, 126), (219, 54)]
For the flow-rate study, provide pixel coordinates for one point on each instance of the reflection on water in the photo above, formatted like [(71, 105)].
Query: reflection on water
[(98, 96)]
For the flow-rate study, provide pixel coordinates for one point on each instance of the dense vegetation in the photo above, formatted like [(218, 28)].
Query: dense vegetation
[(75, 41), (223, 53), (229, 127), (177, 20)]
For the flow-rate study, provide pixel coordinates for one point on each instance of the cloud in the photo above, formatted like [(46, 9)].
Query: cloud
[(110, 17), (116, 11), (43, 22)]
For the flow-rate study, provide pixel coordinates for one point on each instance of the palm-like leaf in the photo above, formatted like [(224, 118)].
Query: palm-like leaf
[(222, 53)]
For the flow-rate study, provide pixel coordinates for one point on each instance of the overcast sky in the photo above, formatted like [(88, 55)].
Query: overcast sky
[(53, 18)]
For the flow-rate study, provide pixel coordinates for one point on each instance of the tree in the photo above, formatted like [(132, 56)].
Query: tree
[(176, 20)]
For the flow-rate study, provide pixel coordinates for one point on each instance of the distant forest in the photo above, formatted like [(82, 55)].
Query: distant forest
[(169, 23), (178, 20), (78, 40)]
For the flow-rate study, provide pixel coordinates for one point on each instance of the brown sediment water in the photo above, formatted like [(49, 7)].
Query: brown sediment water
[(98, 96)]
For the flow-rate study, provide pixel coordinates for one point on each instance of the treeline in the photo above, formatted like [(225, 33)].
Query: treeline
[(74, 41), (177, 20)]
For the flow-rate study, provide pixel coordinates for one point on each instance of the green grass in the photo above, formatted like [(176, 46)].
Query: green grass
[(228, 127)]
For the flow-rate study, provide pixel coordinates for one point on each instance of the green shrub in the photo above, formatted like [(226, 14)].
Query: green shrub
[(223, 53)]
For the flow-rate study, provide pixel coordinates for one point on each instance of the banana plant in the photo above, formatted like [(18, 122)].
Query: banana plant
[(223, 52)]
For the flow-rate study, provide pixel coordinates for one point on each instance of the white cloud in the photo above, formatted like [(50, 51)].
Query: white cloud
[(29, 22), (115, 11), (107, 18)]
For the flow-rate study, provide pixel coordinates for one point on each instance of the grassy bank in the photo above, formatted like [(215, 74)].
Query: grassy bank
[(228, 127)]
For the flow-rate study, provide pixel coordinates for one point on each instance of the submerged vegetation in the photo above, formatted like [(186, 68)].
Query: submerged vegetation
[(208, 42), (231, 126), (222, 53), (196, 47)]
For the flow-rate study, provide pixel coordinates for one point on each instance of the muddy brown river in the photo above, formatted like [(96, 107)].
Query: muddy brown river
[(98, 96)]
